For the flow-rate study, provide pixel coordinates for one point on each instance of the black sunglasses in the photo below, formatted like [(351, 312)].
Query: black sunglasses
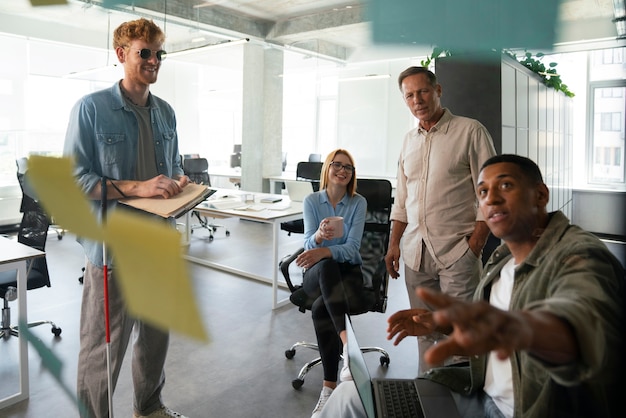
[(146, 53)]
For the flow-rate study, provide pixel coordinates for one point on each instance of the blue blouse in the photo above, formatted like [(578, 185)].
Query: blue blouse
[(346, 248)]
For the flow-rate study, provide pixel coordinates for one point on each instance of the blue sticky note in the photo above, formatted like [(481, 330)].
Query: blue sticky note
[(465, 25)]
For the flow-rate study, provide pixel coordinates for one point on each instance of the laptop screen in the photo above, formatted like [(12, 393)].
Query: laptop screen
[(360, 373), (298, 190)]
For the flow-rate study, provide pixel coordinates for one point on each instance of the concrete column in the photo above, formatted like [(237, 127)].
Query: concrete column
[(262, 116)]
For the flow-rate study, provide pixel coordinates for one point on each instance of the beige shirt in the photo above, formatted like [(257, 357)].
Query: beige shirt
[(435, 196)]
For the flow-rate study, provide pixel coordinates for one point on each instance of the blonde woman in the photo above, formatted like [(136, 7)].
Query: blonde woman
[(332, 261)]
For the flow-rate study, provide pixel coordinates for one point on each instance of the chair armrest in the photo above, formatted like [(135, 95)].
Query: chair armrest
[(284, 268)]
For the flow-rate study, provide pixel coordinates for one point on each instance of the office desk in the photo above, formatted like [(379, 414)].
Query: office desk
[(223, 177), (276, 182), (13, 256), (268, 216)]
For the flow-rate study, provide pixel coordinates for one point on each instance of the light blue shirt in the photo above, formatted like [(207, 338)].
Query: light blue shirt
[(346, 248), (102, 138)]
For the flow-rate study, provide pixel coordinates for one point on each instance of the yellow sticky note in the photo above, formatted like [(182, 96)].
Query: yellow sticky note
[(153, 274), (59, 194)]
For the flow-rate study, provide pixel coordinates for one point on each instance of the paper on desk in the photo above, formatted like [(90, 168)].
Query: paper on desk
[(61, 197), (153, 275)]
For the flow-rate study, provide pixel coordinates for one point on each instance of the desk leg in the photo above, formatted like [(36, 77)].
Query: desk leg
[(20, 266), (21, 297), (275, 235)]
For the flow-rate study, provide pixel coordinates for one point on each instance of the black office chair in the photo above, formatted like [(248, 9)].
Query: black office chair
[(373, 249), (34, 233), (197, 169), (305, 171)]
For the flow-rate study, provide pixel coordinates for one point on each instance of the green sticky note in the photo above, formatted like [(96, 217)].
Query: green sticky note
[(465, 25), (51, 362)]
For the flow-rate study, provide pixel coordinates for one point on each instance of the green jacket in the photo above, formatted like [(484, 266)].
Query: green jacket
[(569, 273)]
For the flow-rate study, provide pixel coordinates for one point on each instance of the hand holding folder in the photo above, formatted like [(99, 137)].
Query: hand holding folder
[(175, 206)]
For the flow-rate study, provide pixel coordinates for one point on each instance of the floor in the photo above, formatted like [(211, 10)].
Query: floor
[(241, 372)]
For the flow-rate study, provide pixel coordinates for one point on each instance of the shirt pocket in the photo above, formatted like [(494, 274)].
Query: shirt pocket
[(112, 147), (167, 139)]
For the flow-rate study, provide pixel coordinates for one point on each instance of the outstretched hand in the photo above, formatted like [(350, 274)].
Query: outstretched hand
[(414, 322), (477, 328)]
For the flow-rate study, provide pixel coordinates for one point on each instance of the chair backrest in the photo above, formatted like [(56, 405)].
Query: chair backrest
[(33, 232), (373, 249), (375, 240), (310, 171), (197, 169), (315, 158)]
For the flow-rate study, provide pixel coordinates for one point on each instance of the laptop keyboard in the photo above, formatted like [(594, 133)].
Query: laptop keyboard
[(399, 399)]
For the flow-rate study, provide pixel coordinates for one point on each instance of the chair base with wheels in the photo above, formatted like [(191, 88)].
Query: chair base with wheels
[(7, 330), (299, 381), (204, 223), (373, 249)]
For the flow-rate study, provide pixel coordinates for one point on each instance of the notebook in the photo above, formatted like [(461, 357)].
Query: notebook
[(426, 399), (298, 190)]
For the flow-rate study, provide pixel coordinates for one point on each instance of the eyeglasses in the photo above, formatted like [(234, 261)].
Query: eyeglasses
[(146, 53), (338, 166)]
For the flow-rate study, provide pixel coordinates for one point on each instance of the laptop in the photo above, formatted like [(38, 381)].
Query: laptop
[(298, 190), (425, 399)]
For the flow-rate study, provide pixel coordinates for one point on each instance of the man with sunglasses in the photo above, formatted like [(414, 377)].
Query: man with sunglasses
[(435, 209), (124, 138)]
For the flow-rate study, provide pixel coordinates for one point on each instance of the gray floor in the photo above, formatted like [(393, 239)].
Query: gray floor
[(242, 372)]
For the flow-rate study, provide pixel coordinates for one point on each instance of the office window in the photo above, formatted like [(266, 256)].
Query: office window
[(607, 135), (607, 118)]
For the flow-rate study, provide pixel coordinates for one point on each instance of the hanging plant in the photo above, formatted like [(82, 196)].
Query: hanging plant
[(548, 74), (435, 54)]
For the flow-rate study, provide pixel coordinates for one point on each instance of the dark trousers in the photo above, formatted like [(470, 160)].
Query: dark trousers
[(333, 285)]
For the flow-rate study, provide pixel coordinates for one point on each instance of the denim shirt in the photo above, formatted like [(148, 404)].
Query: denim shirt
[(571, 274), (346, 248), (102, 136)]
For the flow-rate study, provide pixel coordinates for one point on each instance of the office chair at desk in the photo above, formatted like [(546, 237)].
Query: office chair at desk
[(373, 249), (197, 169), (34, 233), (305, 171)]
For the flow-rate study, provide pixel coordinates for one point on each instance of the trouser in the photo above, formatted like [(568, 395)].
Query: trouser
[(459, 280), (334, 285), (346, 403), (148, 355)]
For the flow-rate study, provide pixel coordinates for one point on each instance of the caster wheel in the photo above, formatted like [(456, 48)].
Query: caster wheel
[(290, 353), (59, 237), (297, 383), (211, 238), (56, 331), (384, 361), (191, 232), (214, 229), (228, 233)]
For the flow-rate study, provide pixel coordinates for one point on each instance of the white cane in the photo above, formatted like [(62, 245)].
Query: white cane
[(103, 199)]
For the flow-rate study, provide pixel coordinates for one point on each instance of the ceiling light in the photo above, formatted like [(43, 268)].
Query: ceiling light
[(366, 77), (209, 47)]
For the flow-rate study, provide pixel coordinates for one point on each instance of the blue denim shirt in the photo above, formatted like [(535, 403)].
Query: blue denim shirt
[(346, 248), (102, 137)]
